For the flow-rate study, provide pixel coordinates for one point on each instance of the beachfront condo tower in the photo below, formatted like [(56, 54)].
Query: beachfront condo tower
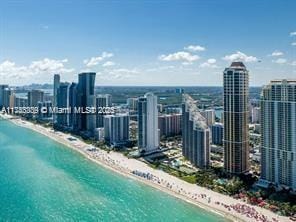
[(102, 101), (86, 98), (56, 85), (116, 129), (278, 143), (148, 133), (195, 134), (236, 115), (35, 96), (72, 105), (62, 100), (2, 88)]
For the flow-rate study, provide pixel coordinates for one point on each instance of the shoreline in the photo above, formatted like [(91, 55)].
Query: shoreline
[(117, 162)]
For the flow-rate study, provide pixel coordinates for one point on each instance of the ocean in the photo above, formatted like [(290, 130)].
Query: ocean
[(42, 180)]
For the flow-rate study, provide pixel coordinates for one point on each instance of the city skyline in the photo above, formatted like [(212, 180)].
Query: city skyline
[(192, 153), (171, 110), (180, 44)]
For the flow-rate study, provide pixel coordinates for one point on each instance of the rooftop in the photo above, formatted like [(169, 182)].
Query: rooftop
[(195, 115), (281, 81), (237, 65)]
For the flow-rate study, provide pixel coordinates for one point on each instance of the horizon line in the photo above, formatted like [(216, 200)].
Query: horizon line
[(255, 86)]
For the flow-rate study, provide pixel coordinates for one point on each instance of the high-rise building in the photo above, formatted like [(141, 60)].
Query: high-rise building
[(132, 104), (62, 100), (116, 129), (35, 96), (72, 105), (99, 134), (48, 97), (148, 133), (21, 101), (12, 100), (56, 85), (195, 134), (7, 92), (102, 100), (86, 98), (236, 115), (209, 114), (169, 125), (217, 134), (255, 115), (2, 88), (278, 129)]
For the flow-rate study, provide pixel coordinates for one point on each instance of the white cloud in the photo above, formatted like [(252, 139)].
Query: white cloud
[(179, 56), (93, 61), (293, 63), (9, 69), (195, 48), (239, 56), (210, 63), (6, 65), (293, 44), (277, 53), (280, 61), (108, 63), (115, 74), (47, 65), (187, 63), (292, 33)]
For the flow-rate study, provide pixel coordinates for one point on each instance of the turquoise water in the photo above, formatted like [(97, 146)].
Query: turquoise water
[(41, 180)]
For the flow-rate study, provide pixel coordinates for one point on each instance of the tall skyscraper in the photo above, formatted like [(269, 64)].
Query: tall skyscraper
[(86, 98), (102, 100), (236, 115), (195, 134), (6, 97), (255, 114), (73, 104), (62, 99), (2, 88), (132, 103), (148, 133), (116, 129), (278, 129), (21, 101), (217, 133), (169, 125), (56, 85), (12, 99), (34, 97)]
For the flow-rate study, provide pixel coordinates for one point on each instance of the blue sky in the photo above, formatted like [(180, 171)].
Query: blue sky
[(146, 42)]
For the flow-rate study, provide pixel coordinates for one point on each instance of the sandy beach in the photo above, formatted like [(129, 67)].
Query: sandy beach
[(233, 209)]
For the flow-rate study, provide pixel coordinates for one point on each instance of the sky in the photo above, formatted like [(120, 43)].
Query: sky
[(166, 43)]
